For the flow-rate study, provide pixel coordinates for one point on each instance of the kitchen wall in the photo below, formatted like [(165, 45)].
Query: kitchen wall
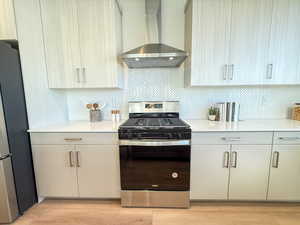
[(44, 106), (262, 102), (256, 102)]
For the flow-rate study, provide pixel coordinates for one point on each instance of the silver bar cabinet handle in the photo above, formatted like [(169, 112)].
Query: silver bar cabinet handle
[(275, 161), (78, 75), (289, 138), (234, 160), (77, 158), (71, 159), (226, 160), (84, 74), (73, 139), (270, 71), (225, 71), (231, 138), (231, 72)]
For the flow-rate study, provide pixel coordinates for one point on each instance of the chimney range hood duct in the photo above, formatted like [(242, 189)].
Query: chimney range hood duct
[(155, 54)]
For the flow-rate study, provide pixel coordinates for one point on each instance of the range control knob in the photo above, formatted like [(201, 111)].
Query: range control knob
[(174, 175)]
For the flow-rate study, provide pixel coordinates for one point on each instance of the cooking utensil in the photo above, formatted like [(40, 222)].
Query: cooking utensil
[(89, 106), (95, 106)]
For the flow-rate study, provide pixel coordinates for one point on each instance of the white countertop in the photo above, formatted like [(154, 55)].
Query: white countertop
[(247, 125), (196, 125), (79, 127)]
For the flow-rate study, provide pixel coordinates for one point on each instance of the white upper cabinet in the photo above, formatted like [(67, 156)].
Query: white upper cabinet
[(207, 41), (99, 42), (249, 41), (7, 20), (83, 39), (228, 41), (60, 27), (242, 42), (284, 54)]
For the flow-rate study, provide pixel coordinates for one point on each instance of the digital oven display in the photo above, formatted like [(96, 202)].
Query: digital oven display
[(153, 106)]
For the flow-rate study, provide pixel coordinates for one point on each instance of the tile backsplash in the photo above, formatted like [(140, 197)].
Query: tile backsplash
[(260, 102)]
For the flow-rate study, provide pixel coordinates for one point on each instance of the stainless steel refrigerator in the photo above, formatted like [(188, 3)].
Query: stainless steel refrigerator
[(17, 184)]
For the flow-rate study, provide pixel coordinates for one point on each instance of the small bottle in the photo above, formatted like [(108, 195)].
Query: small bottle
[(118, 116), (113, 116)]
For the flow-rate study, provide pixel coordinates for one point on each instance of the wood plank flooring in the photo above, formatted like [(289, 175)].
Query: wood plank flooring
[(92, 212)]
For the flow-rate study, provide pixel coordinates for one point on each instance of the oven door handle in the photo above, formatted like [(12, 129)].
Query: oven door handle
[(154, 142)]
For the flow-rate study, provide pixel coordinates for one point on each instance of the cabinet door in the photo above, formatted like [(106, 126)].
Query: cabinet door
[(98, 171), (210, 41), (61, 40), (7, 20), (55, 170), (97, 39), (284, 55), (250, 34), (249, 172), (285, 173), (209, 171)]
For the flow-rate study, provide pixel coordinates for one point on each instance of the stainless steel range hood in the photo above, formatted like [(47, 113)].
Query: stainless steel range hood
[(154, 54)]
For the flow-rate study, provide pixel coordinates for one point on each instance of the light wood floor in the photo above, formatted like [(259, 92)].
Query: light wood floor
[(84, 212)]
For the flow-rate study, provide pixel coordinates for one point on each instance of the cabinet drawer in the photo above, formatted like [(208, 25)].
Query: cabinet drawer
[(74, 138), (286, 138), (216, 138)]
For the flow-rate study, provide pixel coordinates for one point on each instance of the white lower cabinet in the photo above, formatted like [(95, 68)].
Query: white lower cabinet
[(234, 172), (55, 170), (285, 173), (98, 171), (209, 174), (71, 171), (249, 172), (67, 166)]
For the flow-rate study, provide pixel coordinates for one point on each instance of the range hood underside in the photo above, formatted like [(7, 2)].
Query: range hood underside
[(154, 56), (154, 62)]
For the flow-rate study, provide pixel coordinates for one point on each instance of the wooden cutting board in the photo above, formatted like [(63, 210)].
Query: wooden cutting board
[(296, 113)]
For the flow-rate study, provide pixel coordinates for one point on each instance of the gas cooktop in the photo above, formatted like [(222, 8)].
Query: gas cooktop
[(154, 122)]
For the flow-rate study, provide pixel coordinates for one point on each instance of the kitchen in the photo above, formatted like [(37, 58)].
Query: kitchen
[(75, 52)]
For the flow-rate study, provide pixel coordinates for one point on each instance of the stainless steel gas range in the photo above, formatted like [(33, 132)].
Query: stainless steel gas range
[(155, 153)]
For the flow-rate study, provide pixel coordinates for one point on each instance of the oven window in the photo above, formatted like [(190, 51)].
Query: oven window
[(155, 168)]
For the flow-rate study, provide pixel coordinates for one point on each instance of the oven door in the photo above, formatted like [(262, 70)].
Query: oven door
[(155, 165)]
